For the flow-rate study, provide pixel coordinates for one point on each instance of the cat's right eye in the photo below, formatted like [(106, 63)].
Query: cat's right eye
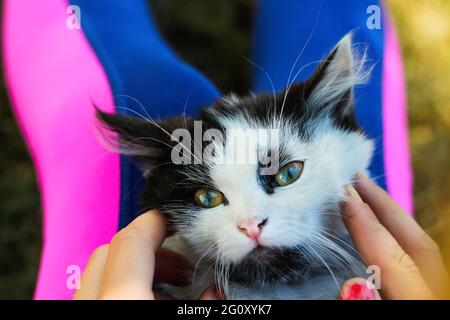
[(208, 198), (289, 173)]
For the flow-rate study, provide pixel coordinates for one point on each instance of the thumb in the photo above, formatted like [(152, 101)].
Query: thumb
[(358, 289)]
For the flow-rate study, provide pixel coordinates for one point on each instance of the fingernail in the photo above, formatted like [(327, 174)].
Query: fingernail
[(353, 193), (361, 176), (358, 291), (218, 292)]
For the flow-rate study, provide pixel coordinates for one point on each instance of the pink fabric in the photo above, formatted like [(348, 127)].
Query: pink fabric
[(395, 124), (53, 76)]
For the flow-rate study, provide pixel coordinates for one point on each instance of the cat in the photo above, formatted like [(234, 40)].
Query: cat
[(260, 235)]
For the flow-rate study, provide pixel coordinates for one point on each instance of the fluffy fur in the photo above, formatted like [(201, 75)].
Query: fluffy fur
[(304, 250)]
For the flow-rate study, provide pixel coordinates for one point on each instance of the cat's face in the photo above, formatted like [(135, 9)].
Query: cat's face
[(260, 225)]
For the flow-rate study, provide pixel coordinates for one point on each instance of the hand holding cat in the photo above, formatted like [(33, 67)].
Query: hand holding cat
[(128, 266), (410, 262), (386, 236)]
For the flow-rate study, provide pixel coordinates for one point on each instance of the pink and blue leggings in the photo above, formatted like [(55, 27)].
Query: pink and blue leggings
[(56, 74)]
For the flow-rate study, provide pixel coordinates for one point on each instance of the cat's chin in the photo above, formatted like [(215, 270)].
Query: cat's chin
[(265, 265)]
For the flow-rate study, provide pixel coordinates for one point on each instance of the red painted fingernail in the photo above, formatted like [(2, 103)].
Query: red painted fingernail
[(218, 292), (358, 291)]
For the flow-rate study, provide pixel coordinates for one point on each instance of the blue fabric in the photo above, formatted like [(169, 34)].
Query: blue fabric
[(281, 33), (139, 64), (147, 78)]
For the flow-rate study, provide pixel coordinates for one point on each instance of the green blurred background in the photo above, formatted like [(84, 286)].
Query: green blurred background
[(214, 36)]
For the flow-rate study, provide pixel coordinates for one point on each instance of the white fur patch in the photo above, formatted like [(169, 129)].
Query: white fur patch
[(331, 159), (345, 71)]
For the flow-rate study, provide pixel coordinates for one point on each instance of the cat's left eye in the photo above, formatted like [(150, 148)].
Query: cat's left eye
[(289, 173), (208, 198)]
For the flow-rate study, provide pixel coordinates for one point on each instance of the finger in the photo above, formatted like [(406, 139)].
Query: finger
[(212, 293), (130, 265), (400, 277), (92, 275), (358, 289), (172, 268), (411, 237)]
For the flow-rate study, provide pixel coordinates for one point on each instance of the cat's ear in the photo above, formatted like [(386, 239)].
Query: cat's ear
[(148, 141), (330, 88)]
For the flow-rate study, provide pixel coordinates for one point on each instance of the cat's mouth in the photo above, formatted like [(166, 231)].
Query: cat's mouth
[(269, 264), (261, 252)]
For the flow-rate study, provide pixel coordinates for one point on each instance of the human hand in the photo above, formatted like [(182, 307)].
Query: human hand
[(386, 236), (127, 267), (410, 262)]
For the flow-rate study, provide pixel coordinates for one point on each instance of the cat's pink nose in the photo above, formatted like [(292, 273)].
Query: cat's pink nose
[(252, 227)]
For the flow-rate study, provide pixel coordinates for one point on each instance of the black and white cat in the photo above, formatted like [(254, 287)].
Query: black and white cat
[(261, 236)]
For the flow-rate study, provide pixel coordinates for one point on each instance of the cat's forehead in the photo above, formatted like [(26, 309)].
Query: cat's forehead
[(265, 109), (249, 144), (276, 127)]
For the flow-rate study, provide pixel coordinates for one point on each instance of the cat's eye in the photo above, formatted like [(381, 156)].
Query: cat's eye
[(208, 198), (289, 173)]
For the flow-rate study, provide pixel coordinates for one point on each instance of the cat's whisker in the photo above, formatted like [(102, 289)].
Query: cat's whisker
[(326, 265), (152, 139), (148, 171), (268, 77), (338, 255), (156, 124), (290, 86), (184, 117), (206, 253), (341, 241), (350, 260), (185, 106), (289, 82)]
